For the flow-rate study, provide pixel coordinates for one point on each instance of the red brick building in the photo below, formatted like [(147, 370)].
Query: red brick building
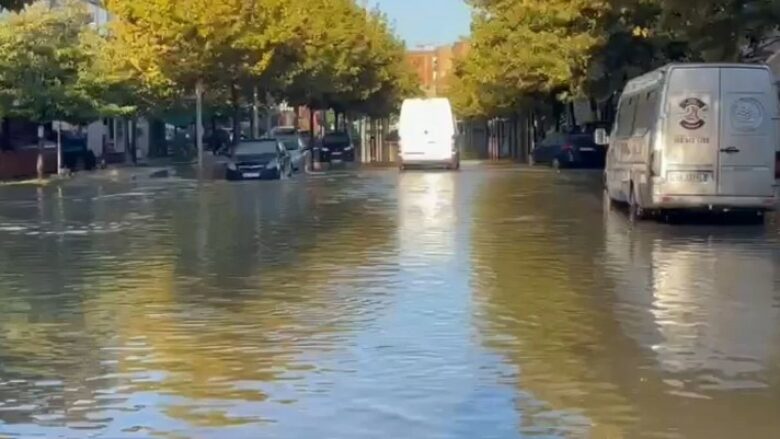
[(435, 65)]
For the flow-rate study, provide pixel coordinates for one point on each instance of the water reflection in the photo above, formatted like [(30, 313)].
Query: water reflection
[(709, 303), (182, 318), (628, 331), (493, 302)]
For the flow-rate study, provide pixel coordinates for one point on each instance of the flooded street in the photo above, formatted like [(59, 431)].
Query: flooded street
[(495, 302)]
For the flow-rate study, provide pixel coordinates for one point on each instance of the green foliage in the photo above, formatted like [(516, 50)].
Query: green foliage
[(43, 62), (521, 48), (527, 49), (325, 53)]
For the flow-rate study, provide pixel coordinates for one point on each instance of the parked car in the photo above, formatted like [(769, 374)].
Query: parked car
[(337, 147), (75, 154), (695, 137), (569, 151), (259, 159), (295, 145)]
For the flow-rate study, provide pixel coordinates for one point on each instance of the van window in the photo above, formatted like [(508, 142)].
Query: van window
[(646, 111), (625, 118)]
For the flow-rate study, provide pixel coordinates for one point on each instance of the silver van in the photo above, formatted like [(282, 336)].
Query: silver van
[(695, 136)]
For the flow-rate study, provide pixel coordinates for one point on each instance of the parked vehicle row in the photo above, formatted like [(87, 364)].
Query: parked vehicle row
[(284, 152), (569, 151)]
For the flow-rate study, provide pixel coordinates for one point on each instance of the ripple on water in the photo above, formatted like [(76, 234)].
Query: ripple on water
[(486, 303)]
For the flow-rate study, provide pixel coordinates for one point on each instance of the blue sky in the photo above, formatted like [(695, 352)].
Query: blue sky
[(427, 21)]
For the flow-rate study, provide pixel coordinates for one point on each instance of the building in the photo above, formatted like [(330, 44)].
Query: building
[(435, 65)]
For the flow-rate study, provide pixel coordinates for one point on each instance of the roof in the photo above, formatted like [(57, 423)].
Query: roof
[(651, 78)]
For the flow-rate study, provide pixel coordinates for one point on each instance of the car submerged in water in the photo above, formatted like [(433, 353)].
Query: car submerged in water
[(294, 143), (259, 159), (337, 147), (561, 150)]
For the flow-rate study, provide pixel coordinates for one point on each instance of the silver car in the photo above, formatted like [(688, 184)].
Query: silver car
[(294, 144)]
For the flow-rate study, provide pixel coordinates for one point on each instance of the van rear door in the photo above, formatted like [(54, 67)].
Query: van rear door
[(748, 137), (690, 155), (427, 129)]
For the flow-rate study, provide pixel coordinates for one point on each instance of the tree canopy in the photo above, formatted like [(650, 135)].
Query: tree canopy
[(526, 49), (324, 53), (43, 64), (57, 65)]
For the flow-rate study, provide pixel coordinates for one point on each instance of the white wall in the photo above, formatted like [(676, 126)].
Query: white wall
[(95, 133)]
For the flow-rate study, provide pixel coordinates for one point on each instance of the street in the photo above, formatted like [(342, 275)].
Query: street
[(495, 302)]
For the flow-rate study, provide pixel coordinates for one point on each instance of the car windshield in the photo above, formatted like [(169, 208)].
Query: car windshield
[(260, 147), (336, 139), (290, 143)]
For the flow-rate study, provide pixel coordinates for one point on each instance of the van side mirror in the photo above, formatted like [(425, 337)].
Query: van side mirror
[(601, 137)]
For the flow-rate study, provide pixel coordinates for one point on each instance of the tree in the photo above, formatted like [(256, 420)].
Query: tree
[(197, 45), (42, 60), (535, 49), (521, 49)]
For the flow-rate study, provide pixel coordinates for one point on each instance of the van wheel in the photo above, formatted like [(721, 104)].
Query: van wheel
[(635, 211)]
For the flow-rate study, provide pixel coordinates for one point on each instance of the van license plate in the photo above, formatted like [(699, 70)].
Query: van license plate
[(251, 175), (689, 177)]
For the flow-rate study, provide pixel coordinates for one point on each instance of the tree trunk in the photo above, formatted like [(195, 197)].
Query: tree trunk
[(236, 114), (269, 105), (572, 115), (314, 150), (199, 122), (5, 136), (132, 125), (255, 122), (39, 162)]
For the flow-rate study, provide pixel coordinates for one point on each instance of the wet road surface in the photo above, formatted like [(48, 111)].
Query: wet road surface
[(494, 302)]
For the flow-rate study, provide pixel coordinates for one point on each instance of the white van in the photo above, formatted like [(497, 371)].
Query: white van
[(695, 136), (428, 134)]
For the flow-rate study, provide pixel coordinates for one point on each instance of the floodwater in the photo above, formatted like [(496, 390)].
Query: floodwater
[(495, 302)]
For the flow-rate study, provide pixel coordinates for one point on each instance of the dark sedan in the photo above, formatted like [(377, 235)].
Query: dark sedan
[(569, 151), (337, 147), (259, 159)]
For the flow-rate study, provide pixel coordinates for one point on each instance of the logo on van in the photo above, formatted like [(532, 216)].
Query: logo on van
[(693, 118), (747, 114)]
